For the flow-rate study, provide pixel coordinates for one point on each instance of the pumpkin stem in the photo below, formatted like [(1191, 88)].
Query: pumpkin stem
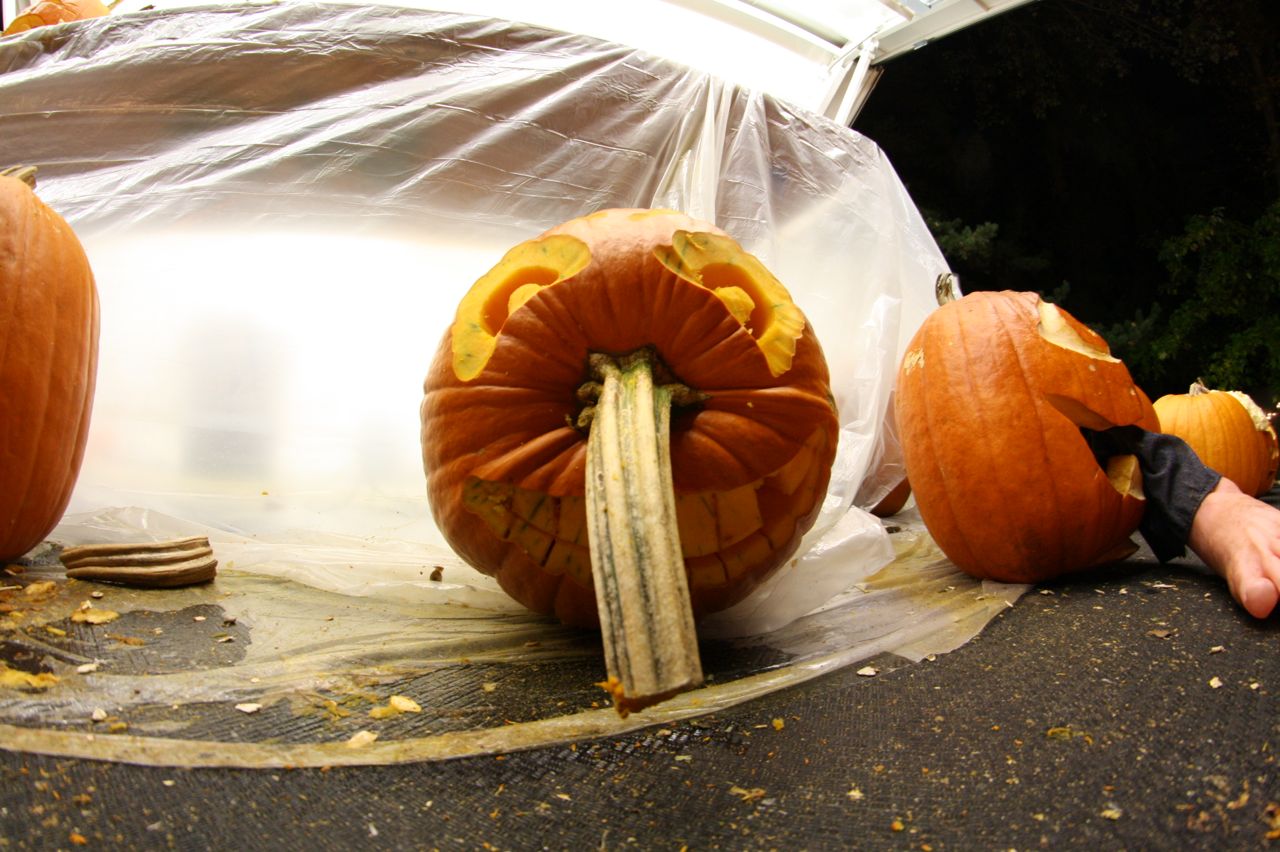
[(1198, 387), (946, 288), (642, 590), (26, 174)]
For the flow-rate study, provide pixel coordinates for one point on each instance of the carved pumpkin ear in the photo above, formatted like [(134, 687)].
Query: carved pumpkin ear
[(756, 299), (521, 273)]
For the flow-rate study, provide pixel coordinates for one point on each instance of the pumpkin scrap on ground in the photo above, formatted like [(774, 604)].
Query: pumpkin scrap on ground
[(49, 341), (992, 395), (629, 424), (157, 564), (1228, 431)]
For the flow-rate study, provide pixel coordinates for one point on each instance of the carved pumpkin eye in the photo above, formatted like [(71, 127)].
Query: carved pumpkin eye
[(756, 299), (522, 272)]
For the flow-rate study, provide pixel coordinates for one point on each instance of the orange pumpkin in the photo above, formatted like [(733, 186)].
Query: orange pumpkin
[(892, 503), (48, 363), (503, 446), (1227, 430), (991, 397), (55, 12)]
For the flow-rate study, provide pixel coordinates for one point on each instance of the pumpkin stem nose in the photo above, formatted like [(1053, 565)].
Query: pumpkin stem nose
[(642, 589)]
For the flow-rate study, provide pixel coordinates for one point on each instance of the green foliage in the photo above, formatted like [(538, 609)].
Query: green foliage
[(966, 245), (1222, 322)]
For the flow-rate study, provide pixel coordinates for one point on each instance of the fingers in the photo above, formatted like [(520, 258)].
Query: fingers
[(1239, 538)]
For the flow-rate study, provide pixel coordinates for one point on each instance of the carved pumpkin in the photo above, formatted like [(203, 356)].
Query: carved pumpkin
[(1227, 430), (48, 363), (991, 397), (55, 12), (506, 414)]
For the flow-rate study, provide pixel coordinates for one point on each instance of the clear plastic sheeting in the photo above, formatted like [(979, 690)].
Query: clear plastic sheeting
[(283, 205), (256, 670)]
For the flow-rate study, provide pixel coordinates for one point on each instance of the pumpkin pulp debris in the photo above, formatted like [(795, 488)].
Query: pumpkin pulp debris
[(512, 402)]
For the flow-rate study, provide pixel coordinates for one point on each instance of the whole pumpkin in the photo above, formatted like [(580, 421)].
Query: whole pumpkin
[(48, 363), (1227, 430), (55, 12), (505, 452), (992, 394)]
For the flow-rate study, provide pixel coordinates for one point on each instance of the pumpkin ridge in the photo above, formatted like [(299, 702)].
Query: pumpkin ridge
[(87, 375), (973, 537), (732, 344), (1061, 545), (516, 464), (705, 447), (37, 413), (935, 458)]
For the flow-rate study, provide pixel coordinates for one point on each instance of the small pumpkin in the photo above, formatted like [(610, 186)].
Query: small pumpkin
[(48, 363), (893, 502), (514, 398), (888, 473), (55, 12), (992, 394), (1227, 430)]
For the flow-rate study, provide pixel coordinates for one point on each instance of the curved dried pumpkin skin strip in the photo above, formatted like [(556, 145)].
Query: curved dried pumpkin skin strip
[(505, 460)]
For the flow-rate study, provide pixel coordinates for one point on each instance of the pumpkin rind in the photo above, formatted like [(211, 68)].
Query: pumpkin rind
[(505, 464), (48, 365), (991, 397)]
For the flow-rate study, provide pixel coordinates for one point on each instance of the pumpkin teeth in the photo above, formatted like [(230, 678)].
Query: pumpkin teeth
[(1125, 476)]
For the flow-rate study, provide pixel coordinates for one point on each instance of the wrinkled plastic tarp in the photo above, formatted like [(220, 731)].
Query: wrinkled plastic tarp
[(284, 204)]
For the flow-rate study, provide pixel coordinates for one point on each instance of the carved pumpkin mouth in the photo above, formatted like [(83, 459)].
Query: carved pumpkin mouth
[(723, 534), (1122, 471)]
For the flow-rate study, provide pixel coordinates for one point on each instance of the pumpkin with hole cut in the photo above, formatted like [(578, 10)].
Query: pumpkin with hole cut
[(48, 363), (1227, 430), (753, 429), (992, 394)]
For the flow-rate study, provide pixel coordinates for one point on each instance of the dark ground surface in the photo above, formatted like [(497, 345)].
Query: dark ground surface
[(1086, 716)]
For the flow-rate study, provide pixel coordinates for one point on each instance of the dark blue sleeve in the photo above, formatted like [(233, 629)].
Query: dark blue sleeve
[(1174, 481)]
